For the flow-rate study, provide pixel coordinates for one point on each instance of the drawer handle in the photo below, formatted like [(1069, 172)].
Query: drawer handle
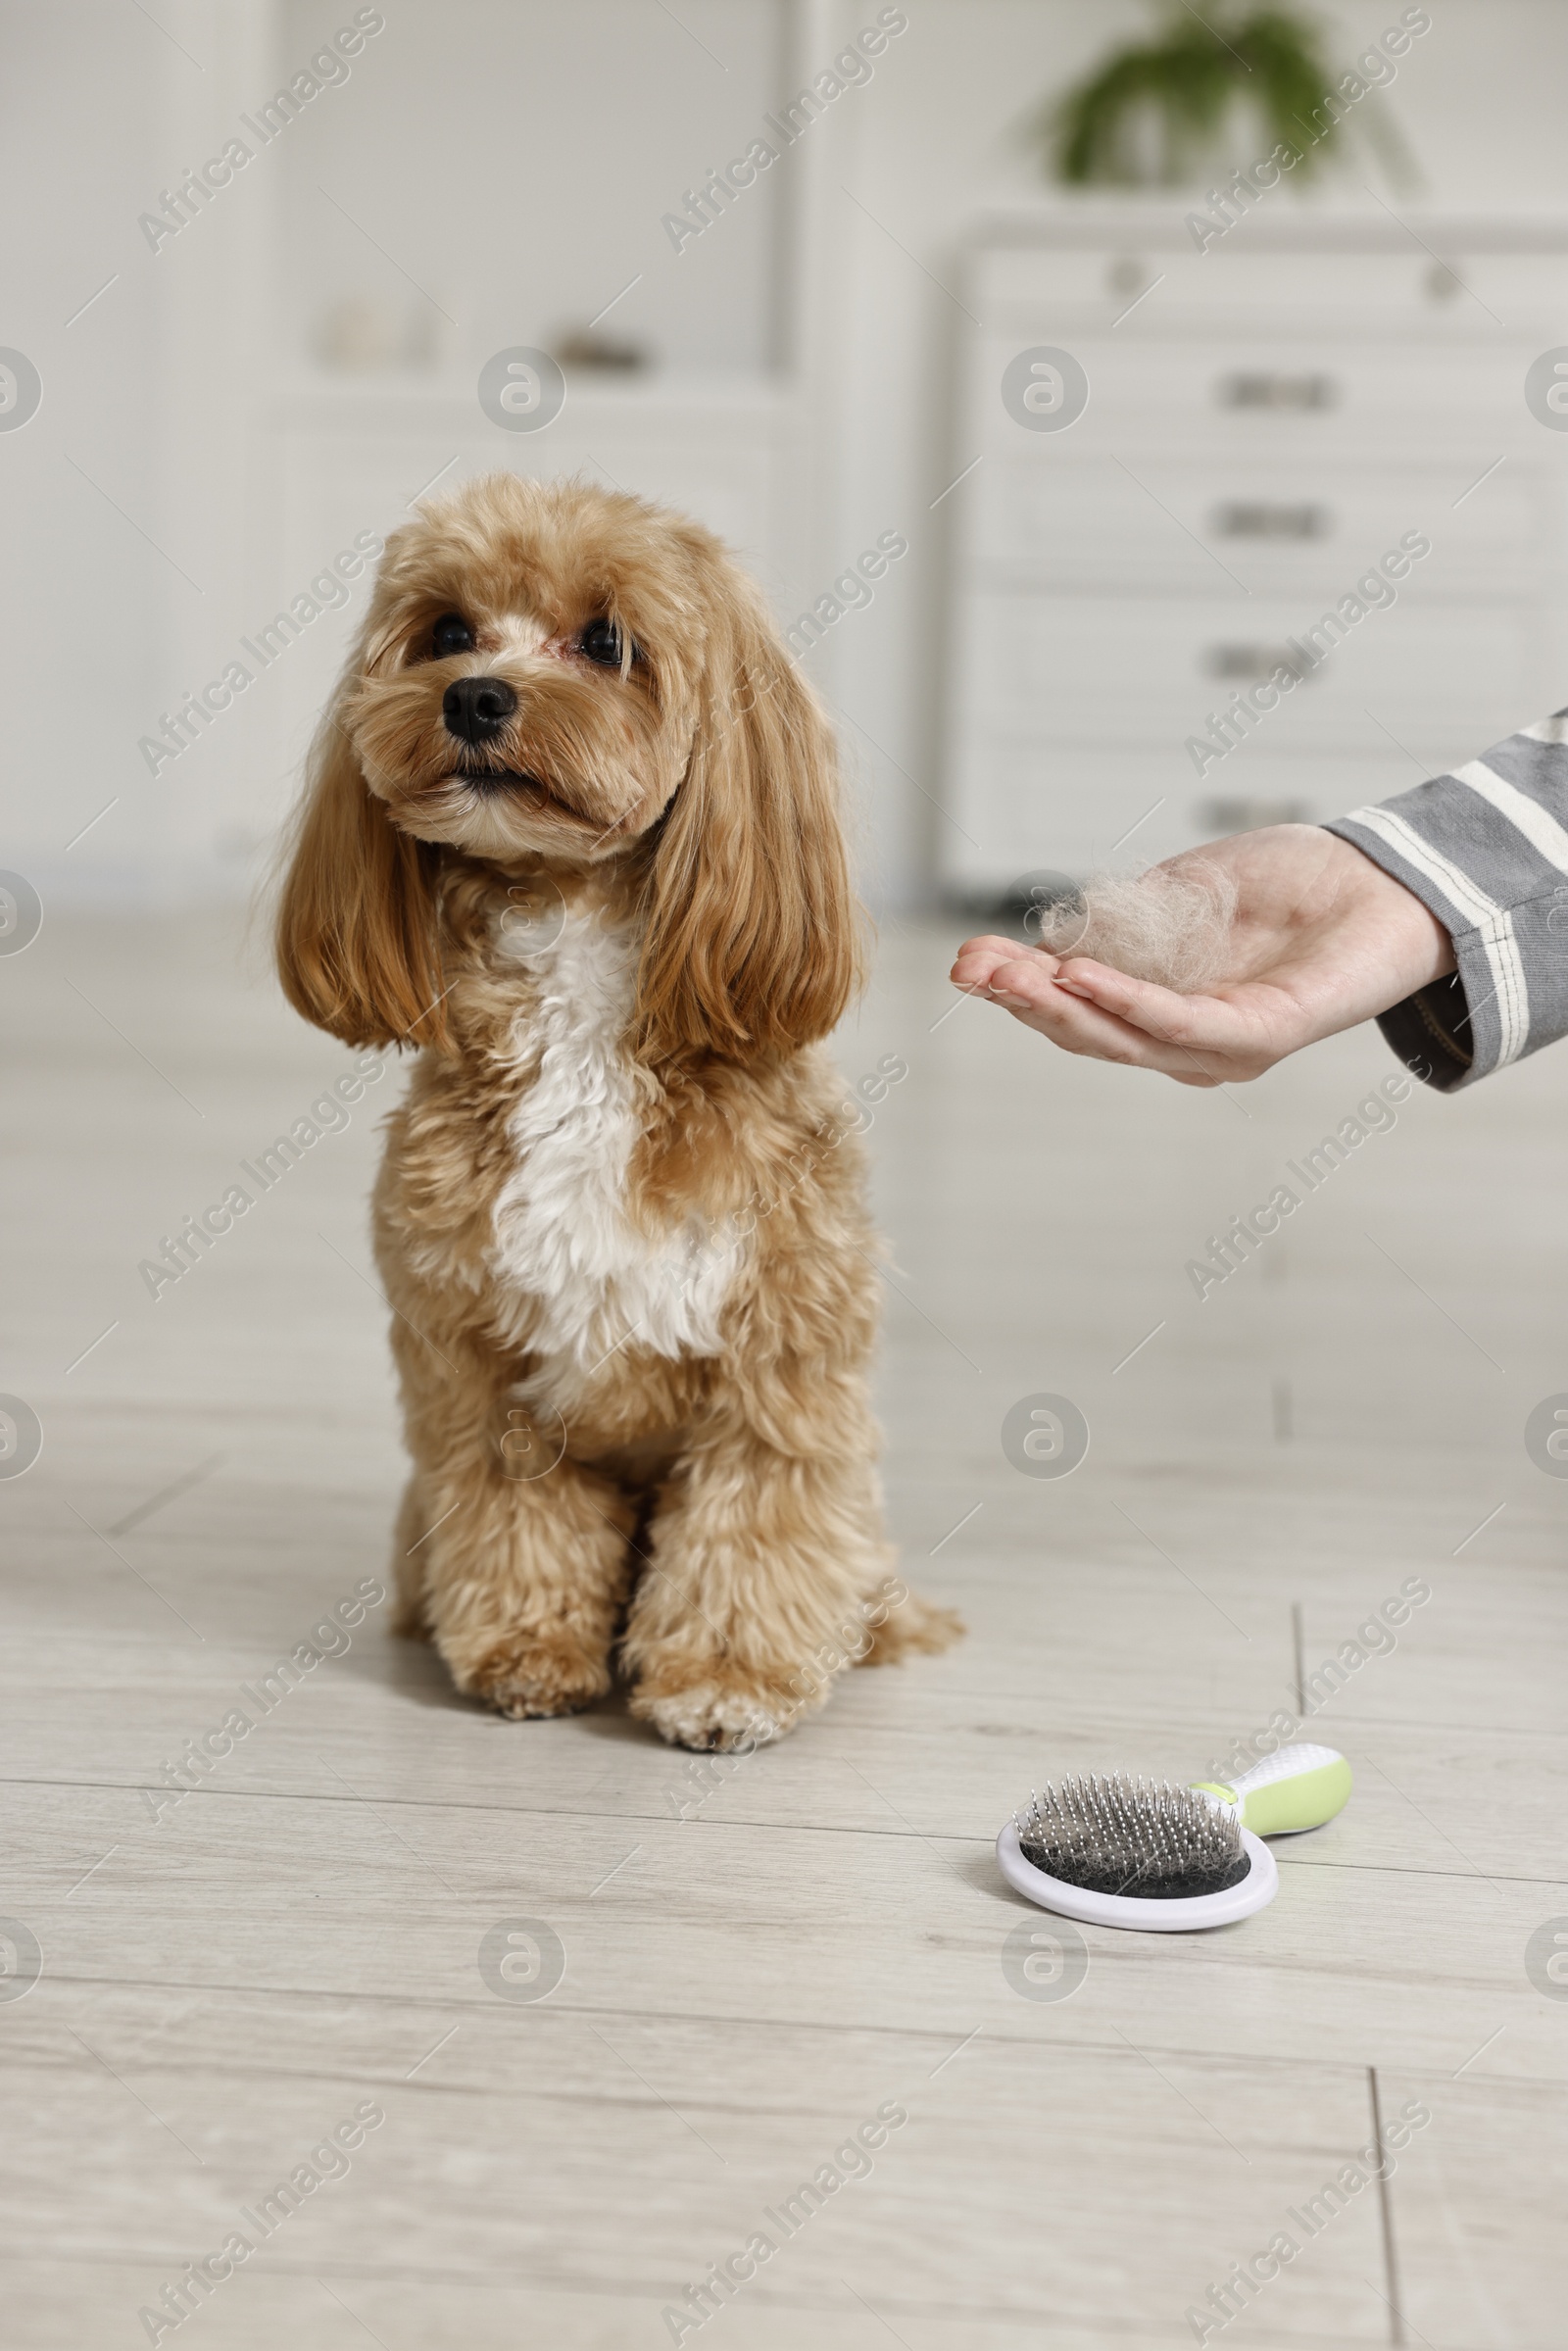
[(1269, 391), (1251, 815), (1251, 662), (1252, 519)]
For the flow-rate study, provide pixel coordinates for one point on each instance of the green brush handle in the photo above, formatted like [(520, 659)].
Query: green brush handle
[(1296, 1787)]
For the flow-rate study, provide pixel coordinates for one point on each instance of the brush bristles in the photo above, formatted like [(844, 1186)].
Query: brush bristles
[(1113, 1834)]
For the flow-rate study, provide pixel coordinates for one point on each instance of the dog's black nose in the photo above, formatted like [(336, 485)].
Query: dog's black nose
[(475, 709)]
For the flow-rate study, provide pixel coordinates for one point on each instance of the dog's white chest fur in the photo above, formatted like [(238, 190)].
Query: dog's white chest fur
[(592, 1277)]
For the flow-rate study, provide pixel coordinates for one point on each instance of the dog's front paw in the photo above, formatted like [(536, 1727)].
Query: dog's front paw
[(718, 1706), (527, 1674)]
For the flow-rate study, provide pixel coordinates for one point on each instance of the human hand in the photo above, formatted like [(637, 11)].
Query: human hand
[(1321, 939)]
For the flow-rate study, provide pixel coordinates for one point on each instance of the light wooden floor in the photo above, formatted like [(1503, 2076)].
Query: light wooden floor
[(825, 1933)]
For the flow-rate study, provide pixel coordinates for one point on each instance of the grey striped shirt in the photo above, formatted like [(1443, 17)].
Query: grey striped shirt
[(1486, 849)]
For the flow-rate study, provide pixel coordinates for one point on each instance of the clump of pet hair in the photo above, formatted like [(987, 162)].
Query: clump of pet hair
[(1171, 927)]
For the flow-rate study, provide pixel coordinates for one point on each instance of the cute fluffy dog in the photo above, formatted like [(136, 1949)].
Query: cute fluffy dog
[(571, 830)]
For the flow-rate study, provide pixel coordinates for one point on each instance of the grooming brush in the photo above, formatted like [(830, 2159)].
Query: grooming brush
[(1119, 1851)]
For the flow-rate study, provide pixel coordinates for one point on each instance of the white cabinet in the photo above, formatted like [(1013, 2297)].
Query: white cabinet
[(1265, 422)]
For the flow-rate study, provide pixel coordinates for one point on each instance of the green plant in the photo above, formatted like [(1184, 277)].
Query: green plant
[(1151, 115)]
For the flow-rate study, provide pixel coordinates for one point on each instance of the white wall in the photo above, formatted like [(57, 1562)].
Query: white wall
[(516, 157), (513, 156)]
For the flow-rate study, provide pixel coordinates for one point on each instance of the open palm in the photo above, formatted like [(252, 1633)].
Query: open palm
[(1321, 939)]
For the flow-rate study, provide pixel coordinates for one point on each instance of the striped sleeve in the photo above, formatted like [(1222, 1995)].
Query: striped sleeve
[(1486, 849)]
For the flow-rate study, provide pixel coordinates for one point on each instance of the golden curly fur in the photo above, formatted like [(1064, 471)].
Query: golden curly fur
[(620, 1219)]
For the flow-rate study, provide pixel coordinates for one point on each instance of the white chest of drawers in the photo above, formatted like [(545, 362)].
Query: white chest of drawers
[(1265, 420)]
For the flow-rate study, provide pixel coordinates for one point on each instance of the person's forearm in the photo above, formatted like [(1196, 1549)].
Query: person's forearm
[(1486, 849)]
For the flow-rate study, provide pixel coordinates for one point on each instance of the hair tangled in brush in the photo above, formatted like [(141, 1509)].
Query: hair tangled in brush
[(1169, 926), (1114, 1835)]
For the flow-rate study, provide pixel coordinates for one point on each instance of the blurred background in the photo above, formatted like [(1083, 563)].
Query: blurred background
[(234, 382), (1056, 416)]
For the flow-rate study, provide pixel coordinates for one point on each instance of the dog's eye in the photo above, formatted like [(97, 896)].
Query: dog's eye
[(600, 642), (451, 634)]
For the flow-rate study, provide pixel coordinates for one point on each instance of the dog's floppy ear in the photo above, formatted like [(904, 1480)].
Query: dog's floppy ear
[(753, 943), (356, 930)]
